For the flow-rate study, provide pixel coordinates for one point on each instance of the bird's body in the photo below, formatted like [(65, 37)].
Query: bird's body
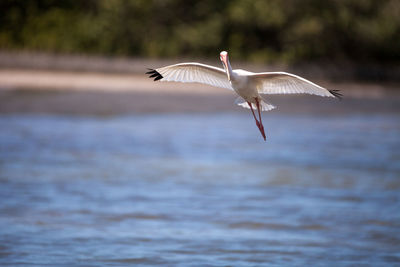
[(251, 87), (243, 86)]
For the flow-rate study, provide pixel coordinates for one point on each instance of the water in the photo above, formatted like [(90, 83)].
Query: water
[(200, 190)]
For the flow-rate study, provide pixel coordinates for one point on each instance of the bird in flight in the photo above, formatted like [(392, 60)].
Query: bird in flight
[(251, 87)]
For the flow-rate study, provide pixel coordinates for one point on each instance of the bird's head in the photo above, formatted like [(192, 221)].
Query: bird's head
[(224, 58), (225, 62)]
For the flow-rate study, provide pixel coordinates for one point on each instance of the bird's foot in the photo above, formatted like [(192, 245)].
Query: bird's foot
[(262, 131), (261, 128)]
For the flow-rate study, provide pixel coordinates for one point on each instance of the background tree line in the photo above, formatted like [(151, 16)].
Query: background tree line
[(256, 30)]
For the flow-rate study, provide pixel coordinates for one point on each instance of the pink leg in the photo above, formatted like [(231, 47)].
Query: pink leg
[(259, 115), (260, 127), (254, 115)]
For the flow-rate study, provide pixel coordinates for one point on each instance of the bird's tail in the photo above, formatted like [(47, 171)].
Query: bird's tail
[(265, 106)]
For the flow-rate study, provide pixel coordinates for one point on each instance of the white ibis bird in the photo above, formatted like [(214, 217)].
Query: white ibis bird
[(251, 87)]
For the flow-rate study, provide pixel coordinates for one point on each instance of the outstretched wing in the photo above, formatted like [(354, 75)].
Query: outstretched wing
[(287, 83), (192, 73)]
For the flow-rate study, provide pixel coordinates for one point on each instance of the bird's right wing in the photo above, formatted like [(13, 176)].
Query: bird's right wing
[(287, 83), (192, 73)]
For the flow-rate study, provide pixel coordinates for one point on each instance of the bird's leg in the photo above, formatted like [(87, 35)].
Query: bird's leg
[(259, 115), (254, 115), (259, 111), (260, 127)]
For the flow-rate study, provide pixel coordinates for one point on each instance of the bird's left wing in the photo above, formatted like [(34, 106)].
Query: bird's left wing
[(287, 83), (192, 72)]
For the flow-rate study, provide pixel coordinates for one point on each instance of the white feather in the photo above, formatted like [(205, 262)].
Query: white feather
[(264, 105), (195, 72), (286, 83)]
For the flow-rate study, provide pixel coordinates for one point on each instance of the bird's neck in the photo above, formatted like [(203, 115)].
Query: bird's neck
[(229, 71)]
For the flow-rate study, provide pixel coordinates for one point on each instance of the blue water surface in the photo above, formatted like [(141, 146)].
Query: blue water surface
[(200, 189)]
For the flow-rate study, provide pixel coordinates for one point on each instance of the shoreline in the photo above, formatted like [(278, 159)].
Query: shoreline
[(39, 80), (96, 92), (345, 71)]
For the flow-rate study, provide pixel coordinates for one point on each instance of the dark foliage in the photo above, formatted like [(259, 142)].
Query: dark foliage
[(258, 30)]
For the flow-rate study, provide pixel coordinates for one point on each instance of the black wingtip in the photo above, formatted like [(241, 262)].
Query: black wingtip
[(336, 93), (154, 74)]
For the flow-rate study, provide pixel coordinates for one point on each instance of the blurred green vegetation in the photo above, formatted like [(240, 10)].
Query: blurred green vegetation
[(260, 31)]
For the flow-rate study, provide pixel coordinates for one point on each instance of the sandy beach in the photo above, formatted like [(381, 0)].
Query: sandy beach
[(25, 90)]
